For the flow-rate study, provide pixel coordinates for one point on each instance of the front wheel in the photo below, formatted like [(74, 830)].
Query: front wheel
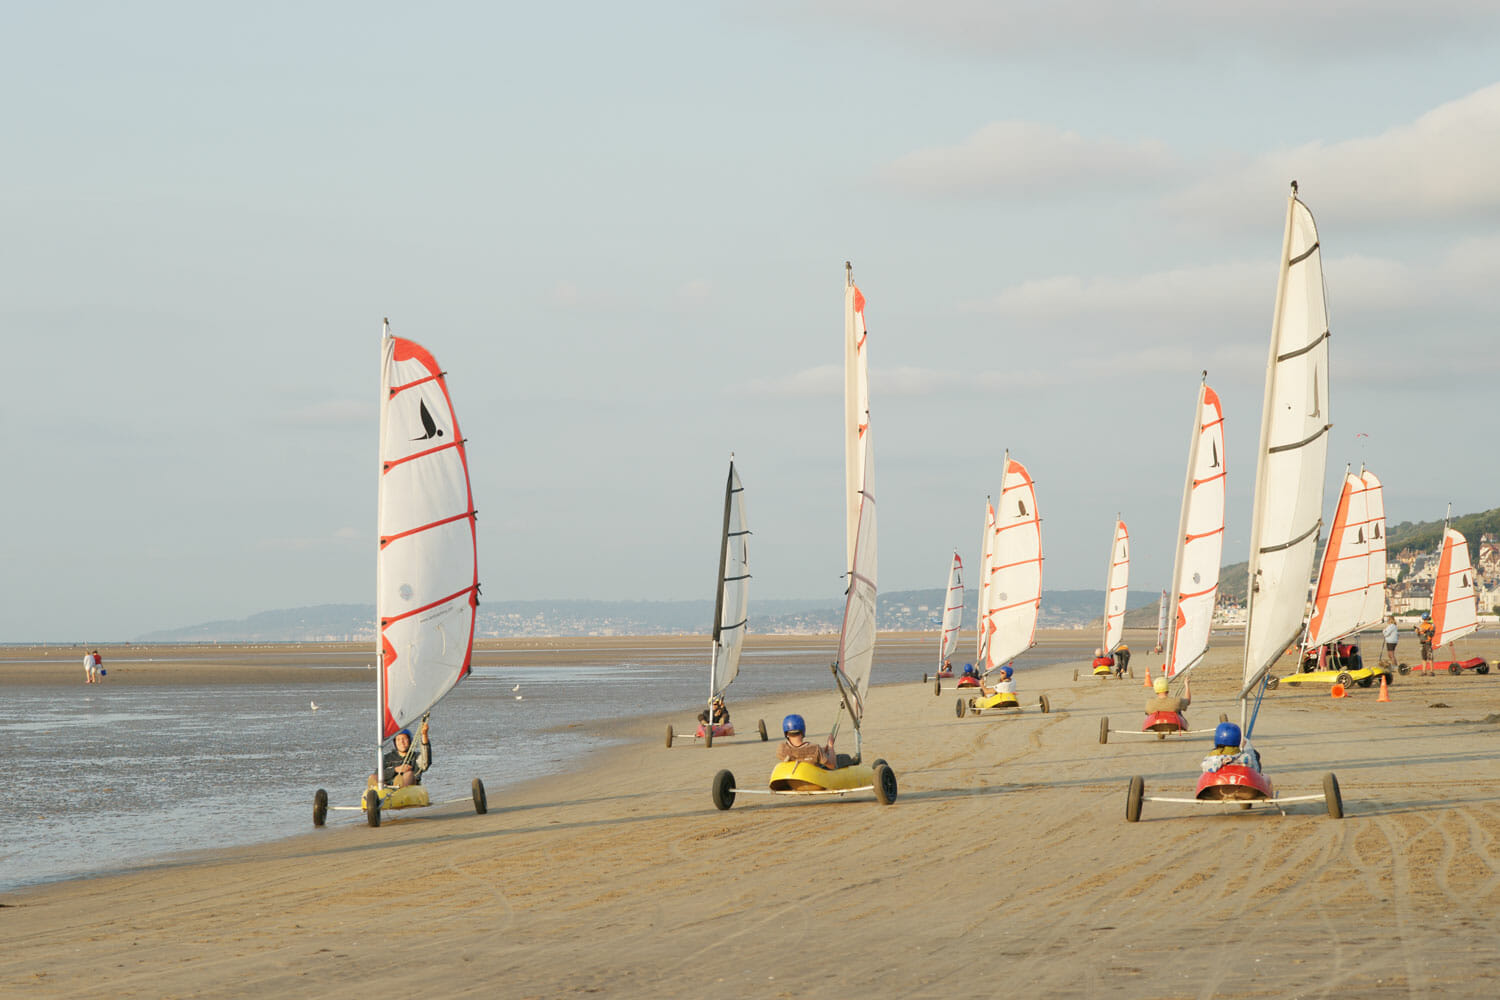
[(762, 727), (372, 807), (937, 687), (1134, 798), (1075, 673), (708, 736), (320, 807), (1045, 704), (885, 783), (1273, 683), (1454, 668), (1403, 669), (1104, 730), (1483, 668), (670, 734), (958, 709), (1331, 795), (723, 790), (1345, 680)]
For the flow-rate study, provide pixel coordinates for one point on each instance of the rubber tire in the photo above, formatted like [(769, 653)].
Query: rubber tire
[(1044, 703), (885, 783), (481, 801), (1273, 683), (372, 807), (937, 686), (320, 807), (1454, 668), (1345, 680), (762, 727), (1483, 668), (1132, 673), (670, 734), (1103, 730), (877, 762), (1133, 799), (1335, 800), (1075, 673), (1403, 669), (924, 678), (1223, 718), (1365, 682), (708, 736), (958, 709), (723, 790)]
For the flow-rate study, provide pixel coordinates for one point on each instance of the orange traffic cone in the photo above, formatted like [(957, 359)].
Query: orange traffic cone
[(1337, 691), (1146, 681), (1385, 690)]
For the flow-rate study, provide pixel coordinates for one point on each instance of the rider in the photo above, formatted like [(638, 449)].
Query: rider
[(970, 674), (404, 765), (1228, 749), (719, 716), (1103, 659), (1004, 686), (1122, 659), (1161, 701), (795, 746), (1425, 630)]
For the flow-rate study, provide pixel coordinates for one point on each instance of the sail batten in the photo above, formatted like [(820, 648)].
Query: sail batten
[(427, 574), (1293, 452)]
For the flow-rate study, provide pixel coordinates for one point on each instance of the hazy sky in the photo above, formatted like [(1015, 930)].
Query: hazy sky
[(622, 229)]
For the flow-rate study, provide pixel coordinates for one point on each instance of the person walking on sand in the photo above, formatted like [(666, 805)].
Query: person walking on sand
[(88, 667), (1425, 630), (1390, 634)]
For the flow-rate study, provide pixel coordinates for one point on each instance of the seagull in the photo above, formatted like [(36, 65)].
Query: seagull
[(516, 688), (314, 705), (518, 697)]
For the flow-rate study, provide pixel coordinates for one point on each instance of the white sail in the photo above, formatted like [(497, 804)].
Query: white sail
[(1200, 539), (953, 611), (1161, 621), (856, 407), (1455, 612), (1293, 452), (984, 625), (1116, 587), (1344, 577), (427, 575), (857, 635), (1374, 604), (1016, 573), (731, 611)]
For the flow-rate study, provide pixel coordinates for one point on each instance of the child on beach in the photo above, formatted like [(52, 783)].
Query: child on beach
[(1161, 701), (795, 745), (1229, 750)]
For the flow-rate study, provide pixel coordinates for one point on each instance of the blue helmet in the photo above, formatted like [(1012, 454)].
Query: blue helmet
[(1227, 735), (404, 732), (968, 669), (793, 724), (1006, 672)]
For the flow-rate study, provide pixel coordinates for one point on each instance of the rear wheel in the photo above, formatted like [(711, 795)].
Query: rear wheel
[(1483, 668), (762, 727), (723, 790), (1046, 705), (1075, 673), (708, 735), (1272, 683), (1133, 799), (1365, 682), (1345, 680), (669, 736), (958, 709), (1331, 794), (320, 807), (1454, 668), (937, 687), (481, 803), (1104, 730), (1403, 669), (372, 807), (885, 783)]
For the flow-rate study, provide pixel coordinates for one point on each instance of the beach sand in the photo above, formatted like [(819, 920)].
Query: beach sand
[(1005, 867)]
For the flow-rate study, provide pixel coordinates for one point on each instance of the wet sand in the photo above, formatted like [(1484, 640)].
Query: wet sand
[(1005, 866)]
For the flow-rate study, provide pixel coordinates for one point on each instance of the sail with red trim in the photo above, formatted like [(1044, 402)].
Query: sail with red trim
[(984, 625), (856, 407), (732, 604), (1016, 570), (1116, 587), (1344, 577), (1455, 612), (1293, 454), (1200, 539), (427, 570), (953, 611), (1374, 604)]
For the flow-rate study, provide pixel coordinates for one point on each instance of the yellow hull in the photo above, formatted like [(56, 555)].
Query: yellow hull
[(1367, 674), (1002, 700), (800, 776), (409, 797)]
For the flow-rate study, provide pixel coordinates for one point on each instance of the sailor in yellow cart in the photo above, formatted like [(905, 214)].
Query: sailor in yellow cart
[(1003, 694), (404, 763)]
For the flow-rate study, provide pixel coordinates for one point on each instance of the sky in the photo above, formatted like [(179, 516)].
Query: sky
[(622, 230)]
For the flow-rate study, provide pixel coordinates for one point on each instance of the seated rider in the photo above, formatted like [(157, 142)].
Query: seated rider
[(1004, 686), (404, 764), (1103, 659), (716, 714), (1228, 749), (795, 746), (1161, 701)]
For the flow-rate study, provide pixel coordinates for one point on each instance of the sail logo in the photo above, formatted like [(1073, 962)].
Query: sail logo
[(430, 429)]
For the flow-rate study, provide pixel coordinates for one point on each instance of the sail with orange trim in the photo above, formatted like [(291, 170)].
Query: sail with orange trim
[(427, 571), (1116, 587), (1374, 605), (953, 612), (1293, 453), (1344, 577), (1455, 612), (1200, 539), (1015, 596), (856, 407), (983, 625)]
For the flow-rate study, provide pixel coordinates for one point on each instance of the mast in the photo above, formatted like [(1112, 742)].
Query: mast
[(385, 395), (713, 655)]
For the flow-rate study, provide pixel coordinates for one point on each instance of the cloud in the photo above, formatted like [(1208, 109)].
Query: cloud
[(1440, 166), (1022, 158), (1201, 293)]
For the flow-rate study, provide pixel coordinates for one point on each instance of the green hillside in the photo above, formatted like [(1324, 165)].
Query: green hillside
[(1422, 535)]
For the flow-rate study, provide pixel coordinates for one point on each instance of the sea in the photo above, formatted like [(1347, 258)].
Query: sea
[(110, 778)]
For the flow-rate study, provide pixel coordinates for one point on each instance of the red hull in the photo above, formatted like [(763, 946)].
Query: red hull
[(967, 682), (1234, 781), (1164, 722), (1445, 666), (719, 730)]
